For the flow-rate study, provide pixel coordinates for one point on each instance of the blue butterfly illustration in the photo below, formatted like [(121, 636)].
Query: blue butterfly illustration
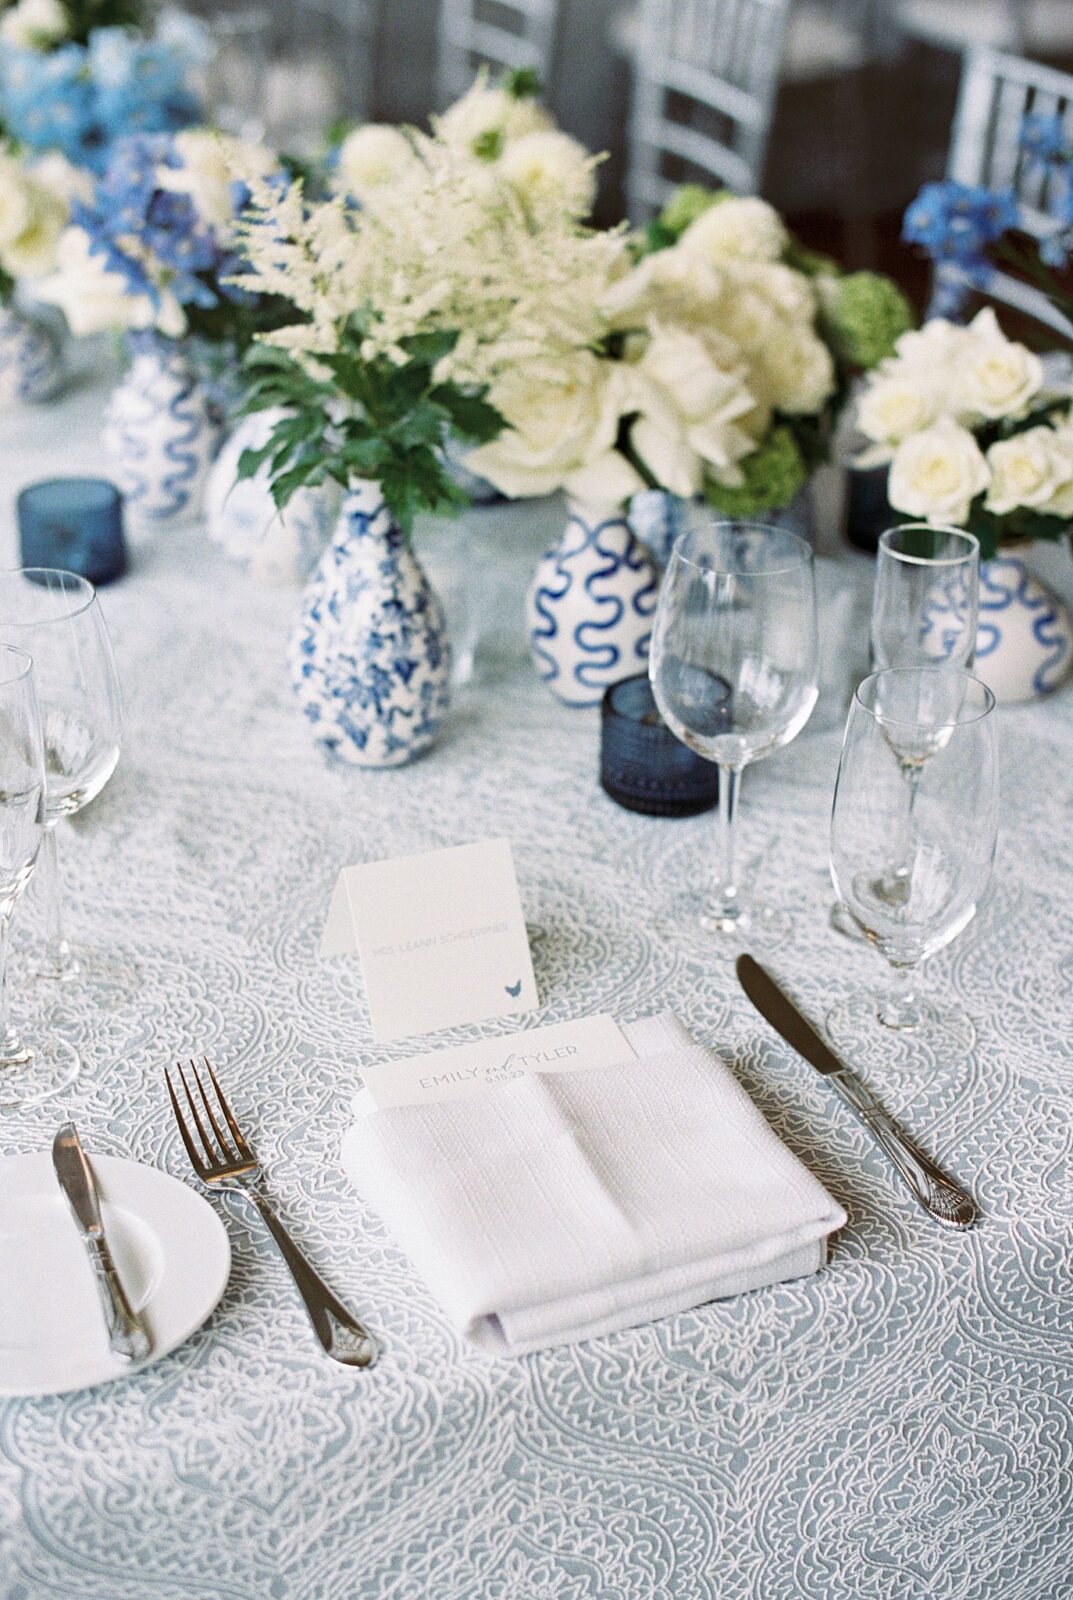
[(514, 989)]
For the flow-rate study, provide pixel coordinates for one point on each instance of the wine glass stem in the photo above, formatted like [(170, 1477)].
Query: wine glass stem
[(900, 1007), (58, 959), (12, 1052), (726, 886)]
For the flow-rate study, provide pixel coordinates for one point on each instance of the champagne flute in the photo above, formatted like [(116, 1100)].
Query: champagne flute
[(733, 664), (55, 616), (926, 597), (911, 859), (925, 604), (28, 1072)]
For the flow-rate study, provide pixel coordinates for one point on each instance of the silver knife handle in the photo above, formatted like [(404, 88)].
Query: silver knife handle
[(939, 1197), (126, 1335)]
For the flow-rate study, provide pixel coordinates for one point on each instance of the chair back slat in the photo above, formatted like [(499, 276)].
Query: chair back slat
[(504, 35), (705, 74)]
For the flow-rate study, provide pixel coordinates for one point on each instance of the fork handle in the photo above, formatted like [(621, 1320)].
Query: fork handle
[(341, 1334)]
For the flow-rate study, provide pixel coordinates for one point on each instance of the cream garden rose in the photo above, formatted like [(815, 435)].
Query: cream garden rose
[(999, 378), (937, 473), (891, 409), (736, 229), (32, 218), (34, 24), (690, 412), (1031, 469), (795, 370)]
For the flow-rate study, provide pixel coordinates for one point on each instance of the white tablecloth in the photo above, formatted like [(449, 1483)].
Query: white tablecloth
[(900, 1425)]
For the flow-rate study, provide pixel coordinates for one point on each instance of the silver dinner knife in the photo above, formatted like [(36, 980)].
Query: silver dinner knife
[(126, 1332), (931, 1188)]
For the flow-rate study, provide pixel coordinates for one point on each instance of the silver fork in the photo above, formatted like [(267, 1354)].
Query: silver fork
[(231, 1164)]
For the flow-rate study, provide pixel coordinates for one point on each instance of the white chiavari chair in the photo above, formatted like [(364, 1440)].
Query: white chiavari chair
[(501, 34), (997, 93)]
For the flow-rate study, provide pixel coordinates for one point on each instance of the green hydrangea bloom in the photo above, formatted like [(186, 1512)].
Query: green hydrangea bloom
[(774, 473), (866, 314), (688, 203)]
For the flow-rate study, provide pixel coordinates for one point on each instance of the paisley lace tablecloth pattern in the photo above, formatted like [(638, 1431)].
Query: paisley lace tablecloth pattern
[(900, 1425)]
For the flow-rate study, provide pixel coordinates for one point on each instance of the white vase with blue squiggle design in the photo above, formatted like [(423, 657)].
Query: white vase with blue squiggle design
[(272, 545), (590, 606), (31, 365), (160, 434), (1024, 638), (369, 657)]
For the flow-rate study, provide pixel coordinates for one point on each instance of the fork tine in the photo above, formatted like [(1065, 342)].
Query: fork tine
[(240, 1144), (221, 1137), (195, 1160), (213, 1158)]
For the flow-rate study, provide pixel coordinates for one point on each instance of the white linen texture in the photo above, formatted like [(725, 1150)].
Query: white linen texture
[(564, 1206)]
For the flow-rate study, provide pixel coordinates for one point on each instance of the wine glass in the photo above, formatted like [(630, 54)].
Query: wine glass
[(912, 843), (55, 616), (924, 609), (28, 1073), (733, 664), (926, 597)]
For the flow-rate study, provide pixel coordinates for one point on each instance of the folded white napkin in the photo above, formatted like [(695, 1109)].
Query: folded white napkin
[(563, 1206)]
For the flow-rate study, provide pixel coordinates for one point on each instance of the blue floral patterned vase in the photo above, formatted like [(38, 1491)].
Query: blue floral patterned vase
[(160, 433), (272, 545), (369, 657), (31, 365), (1024, 640), (590, 606)]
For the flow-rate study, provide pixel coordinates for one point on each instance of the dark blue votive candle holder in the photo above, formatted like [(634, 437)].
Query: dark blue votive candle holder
[(642, 765), (75, 524)]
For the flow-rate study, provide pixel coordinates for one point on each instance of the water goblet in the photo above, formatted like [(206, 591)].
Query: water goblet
[(29, 1072), (913, 831), (733, 665), (55, 616)]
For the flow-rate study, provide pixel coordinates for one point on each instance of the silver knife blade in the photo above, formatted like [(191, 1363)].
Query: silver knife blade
[(126, 1331), (942, 1199)]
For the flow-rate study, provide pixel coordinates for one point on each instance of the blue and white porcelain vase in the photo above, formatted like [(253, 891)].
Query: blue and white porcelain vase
[(590, 606), (369, 657), (1024, 640), (160, 434), (31, 364), (272, 545)]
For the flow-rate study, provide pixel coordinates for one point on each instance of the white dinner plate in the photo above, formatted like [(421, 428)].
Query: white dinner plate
[(169, 1245)]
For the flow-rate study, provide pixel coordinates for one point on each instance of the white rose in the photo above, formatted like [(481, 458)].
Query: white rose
[(790, 292), (374, 158), (1028, 470), (551, 169), (936, 347), (62, 178), (667, 283), (998, 377), (484, 111), (795, 370), (211, 163), (936, 474), (34, 24), (1061, 502), (33, 252), (891, 408), (743, 229), (746, 317), (561, 417), (14, 200), (689, 410), (92, 299)]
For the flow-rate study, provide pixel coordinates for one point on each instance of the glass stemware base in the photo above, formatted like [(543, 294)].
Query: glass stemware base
[(709, 924), (36, 1072), (111, 979), (941, 1034)]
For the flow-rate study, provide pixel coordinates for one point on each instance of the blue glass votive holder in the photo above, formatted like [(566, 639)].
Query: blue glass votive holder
[(75, 524), (642, 765)]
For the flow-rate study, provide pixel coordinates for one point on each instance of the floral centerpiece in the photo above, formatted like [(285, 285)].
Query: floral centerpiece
[(151, 252), (409, 309), (34, 209), (977, 428)]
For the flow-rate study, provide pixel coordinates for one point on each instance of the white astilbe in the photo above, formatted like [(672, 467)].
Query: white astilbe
[(456, 250)]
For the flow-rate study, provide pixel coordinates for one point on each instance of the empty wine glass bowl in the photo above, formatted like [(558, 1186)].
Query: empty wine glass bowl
[(926, 597), (55, 616), (912, 859), (733, 664)]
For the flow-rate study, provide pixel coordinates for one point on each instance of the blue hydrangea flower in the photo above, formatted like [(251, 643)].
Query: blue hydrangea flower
[(956, 222), (80, 99), (1044, 138), (151, 235)]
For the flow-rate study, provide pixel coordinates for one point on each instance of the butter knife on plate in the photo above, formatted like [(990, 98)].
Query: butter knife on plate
[(126, 1331), (942, 1199)]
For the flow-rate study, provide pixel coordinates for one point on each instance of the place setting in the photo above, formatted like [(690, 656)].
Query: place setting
[(535, 633)]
